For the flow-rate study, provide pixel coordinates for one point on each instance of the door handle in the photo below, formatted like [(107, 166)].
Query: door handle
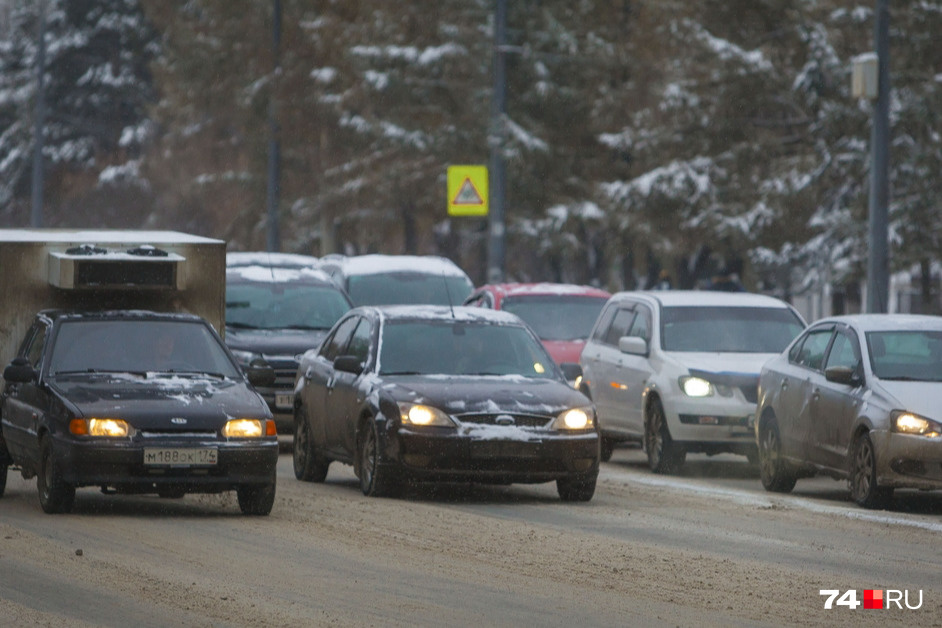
[(784, 384)]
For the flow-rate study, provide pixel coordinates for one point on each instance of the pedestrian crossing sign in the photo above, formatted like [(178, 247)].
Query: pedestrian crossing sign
[(467, 191)]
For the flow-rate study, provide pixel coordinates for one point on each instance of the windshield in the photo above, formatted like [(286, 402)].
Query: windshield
[(398, 288), (461, 348), (283, 306), (556, 317), (138, 346), (728, 329), (906, 355)]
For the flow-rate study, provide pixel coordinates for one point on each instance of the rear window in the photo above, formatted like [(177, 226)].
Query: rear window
[(719, 329)]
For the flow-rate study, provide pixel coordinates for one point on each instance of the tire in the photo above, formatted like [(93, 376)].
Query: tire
[(606, 448), (664, 456), (576, 490), (375, 480), (774, 471), (3, 479), (863, 476), (256, 499), (55, 496), (309, 466)]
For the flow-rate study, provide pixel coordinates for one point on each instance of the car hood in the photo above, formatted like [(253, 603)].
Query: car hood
[(564, 350), (723, 365), (274, 341), (918, 397), (151, 402), (487, 394)]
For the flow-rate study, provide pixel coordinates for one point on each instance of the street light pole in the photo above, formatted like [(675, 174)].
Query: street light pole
[(39, 122), (878, 264), (274, 145), (497, 229)]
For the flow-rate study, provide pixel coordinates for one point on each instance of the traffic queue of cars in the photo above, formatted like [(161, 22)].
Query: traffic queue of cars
[(525, 383)]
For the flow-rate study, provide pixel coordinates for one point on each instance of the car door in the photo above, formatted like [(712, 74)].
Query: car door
[(635, 372), (318, 373), (592, 352), (26, 403), (835, 405), (343, 392), (799, 395), (613, 400)]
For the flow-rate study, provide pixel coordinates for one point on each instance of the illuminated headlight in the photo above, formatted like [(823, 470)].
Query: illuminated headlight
[(696, 386), (110, 428), (418, 414), (575, 419), (909, 423), (244, 428)]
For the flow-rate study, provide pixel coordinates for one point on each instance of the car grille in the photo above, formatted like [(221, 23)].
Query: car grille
[(751, 393), (285, 370), (182, 432), (521, 420)]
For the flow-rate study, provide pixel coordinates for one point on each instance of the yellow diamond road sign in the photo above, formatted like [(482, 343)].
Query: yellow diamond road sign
[(467, 190)]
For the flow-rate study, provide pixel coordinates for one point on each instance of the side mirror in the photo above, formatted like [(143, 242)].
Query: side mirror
[(20, 371), (260, 373), (571, 371), (633, 345), (348, 364), (842, 375)]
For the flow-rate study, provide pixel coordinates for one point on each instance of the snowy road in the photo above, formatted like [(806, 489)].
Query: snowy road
[(646, 551)]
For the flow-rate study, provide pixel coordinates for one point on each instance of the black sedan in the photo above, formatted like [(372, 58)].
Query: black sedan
[(412, 393), (135, 402)]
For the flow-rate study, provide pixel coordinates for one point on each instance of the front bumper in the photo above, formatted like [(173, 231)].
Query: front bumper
[(719, 421), (907, 461), (448, 455), (120, 464)]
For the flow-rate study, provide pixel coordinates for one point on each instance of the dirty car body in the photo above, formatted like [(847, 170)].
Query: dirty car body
[(135, 402), (425, 393), (855, 397)]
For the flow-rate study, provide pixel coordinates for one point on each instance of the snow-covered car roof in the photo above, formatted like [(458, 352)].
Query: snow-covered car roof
[(440, 312), (378, 263), (277, 274), (711, 298), (264, 258), (544, 289), (887, 322), (102, 236)]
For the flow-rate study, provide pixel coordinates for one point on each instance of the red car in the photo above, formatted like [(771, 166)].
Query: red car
[(561, 314)]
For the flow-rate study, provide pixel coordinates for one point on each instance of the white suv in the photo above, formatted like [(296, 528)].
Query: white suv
[(678, 370)]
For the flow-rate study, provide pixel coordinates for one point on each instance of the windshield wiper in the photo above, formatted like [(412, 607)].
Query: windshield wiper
[(305, 327), (236, 325), (99, 372)]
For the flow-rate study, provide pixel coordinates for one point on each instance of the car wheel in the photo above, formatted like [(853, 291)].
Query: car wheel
[(664, 456), (375, 480), (256, 499), (576, 490), (55, 495), (3, 479), (863, 476), (309, 466), (606, 448), (773, 469)]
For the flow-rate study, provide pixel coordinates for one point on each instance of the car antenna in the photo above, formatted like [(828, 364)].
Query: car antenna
[(448, 292)]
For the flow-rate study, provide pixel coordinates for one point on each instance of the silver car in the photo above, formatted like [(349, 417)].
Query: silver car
[(856, 397)]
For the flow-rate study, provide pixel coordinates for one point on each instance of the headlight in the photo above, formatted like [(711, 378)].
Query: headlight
[(696, 386), (112, 428), (575, 419), (244, 428), (909, 423), (418, 414)]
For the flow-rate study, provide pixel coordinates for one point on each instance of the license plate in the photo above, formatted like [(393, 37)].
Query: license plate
[(181, 457), (284, 400), (505, 449)]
